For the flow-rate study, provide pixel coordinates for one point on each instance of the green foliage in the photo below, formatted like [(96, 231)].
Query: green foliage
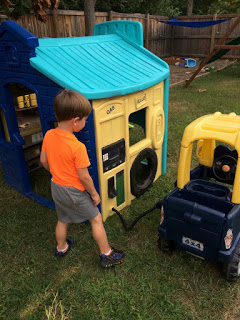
[(169, 7), (225, 6), (204, 7), (160, 7), (22, 7), (71, 5), (16, 8)]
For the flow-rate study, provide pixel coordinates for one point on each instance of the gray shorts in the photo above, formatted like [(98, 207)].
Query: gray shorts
[(72, 205)]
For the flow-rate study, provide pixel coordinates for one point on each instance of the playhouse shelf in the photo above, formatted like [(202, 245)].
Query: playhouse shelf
[(25, 109), (32, 136)]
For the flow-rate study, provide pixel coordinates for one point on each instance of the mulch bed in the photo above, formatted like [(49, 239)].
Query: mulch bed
[(180, 75)]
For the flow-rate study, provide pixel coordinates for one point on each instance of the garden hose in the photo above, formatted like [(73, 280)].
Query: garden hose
[(157, 205)]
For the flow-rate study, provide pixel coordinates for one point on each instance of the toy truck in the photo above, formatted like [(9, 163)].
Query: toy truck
[(202, 214)]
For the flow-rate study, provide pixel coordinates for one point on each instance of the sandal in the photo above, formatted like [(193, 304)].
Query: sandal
[(61, 254)]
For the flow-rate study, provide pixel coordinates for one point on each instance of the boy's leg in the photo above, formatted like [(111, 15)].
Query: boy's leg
[(61, 234), (99, 234), (109, 256)]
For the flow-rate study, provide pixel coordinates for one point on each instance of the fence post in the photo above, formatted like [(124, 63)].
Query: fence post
[(172, 47), (213, 32), (147, 31)]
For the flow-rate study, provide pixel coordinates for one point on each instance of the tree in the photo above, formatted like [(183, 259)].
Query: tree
[(89, 13), (189, 7)]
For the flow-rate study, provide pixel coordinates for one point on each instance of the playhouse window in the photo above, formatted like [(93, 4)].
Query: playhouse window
[(12, 55), (137, 126), (26, 108)]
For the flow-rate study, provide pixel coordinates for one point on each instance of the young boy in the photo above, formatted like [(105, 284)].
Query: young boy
[(72, 188)]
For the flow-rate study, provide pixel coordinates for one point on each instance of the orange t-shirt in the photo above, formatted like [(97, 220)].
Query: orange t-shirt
[(65, 153)]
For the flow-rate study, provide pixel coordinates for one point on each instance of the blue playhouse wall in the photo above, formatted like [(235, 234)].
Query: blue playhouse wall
[(108, 66), (17, 46)]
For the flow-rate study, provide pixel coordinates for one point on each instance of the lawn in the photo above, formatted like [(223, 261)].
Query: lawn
[(149, 284)]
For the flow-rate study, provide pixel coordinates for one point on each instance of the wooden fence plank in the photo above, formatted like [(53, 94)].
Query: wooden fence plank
[(147, 31), (213, 32)]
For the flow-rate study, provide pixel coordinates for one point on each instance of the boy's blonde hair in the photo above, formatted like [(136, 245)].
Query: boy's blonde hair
[(69, 104)]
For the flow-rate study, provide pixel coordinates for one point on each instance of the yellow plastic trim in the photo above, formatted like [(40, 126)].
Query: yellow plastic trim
[(208, 129), (184, 166), (158, 127), (205, 152)]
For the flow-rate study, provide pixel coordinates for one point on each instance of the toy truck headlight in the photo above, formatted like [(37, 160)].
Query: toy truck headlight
[(228, 239)]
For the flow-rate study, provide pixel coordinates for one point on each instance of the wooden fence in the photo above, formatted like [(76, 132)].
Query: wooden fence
[(161, 39)]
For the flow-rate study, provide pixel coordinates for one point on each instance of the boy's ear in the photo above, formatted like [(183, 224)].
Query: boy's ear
[(75, 120)]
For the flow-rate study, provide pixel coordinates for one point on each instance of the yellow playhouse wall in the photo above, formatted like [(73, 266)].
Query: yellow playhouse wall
[(111, 120)]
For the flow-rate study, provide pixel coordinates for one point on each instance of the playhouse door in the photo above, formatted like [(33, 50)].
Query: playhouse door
[(11, 152), (20, 138), (20, 135)]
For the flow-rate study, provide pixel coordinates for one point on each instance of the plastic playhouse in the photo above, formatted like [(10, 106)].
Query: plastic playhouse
[(202, 214), (125, 83)]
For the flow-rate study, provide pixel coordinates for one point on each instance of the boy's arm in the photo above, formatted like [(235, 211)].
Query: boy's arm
[(44, 160), (87, 182)]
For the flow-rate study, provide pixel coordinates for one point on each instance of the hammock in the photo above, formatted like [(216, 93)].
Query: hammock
[(203, 24)]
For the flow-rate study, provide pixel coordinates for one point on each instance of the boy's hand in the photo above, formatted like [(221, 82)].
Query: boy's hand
[(96, 199), (87, 182), (44, 160)]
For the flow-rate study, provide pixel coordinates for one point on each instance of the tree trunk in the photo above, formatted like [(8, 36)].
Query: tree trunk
[(189, 7), (89, 13)]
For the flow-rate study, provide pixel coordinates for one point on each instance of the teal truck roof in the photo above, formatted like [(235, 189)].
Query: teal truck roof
[(101, 66)]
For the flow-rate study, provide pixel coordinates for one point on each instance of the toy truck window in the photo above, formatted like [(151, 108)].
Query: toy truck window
[(137, 126)]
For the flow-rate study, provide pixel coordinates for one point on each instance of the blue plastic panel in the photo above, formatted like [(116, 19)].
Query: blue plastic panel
[(130, 29), (100, 66), (19, 33)]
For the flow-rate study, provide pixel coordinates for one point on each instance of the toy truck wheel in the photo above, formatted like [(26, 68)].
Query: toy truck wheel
[(164, 245), (232, 269)]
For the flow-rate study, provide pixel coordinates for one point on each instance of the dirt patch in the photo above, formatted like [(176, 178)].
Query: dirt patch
[(179, 74)]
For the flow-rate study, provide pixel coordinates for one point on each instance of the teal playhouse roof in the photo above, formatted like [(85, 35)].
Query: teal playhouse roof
[(113, 62)]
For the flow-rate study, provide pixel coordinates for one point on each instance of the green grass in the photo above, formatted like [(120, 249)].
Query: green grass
[(149, 284)]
